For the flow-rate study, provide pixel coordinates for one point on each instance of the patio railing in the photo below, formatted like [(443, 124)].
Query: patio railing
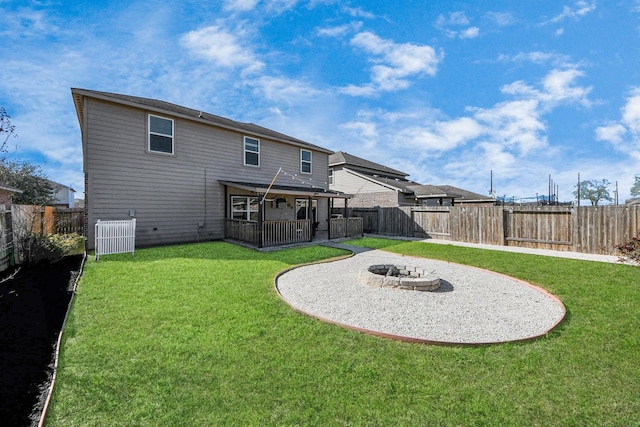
[(272, 233)]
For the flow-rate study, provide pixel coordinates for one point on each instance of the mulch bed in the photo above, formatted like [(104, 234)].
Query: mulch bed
[(33, 305)]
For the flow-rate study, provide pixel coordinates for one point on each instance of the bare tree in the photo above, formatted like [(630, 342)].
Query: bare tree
[(6, 130)]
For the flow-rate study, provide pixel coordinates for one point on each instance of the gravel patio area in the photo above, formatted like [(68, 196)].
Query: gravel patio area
[(472, 306)]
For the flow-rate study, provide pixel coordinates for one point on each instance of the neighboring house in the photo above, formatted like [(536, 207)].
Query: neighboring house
[(188, 176), (64, 195), (373, 184), (6, 194)]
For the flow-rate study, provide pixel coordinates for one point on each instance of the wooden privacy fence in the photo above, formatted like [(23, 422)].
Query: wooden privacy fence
[(345, 227), (587, 229), (49, 219), (115, 237)]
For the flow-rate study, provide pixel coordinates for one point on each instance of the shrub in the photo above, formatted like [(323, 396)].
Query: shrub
[(66, 244), (630, 251), (37, 247)]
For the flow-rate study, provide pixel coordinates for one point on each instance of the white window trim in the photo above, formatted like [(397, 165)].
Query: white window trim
[(310, 161), (244, 151), (149, 133), (331, 173), (248, 211)]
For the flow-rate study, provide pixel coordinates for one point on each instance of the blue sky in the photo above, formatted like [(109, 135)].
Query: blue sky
[(446, 91)]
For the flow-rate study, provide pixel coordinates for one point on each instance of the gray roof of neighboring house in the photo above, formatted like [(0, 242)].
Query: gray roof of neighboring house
[(188, 113), (346, 159), (465, 195), (430, 191), (426, 191), (9, 189)]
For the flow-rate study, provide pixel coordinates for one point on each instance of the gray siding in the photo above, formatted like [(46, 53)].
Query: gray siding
[(350, 183), (172, 194), (365, 193)]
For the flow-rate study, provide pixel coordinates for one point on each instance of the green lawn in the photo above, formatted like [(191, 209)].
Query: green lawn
[(196, 335)]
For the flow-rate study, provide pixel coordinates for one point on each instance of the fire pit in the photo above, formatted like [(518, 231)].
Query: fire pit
[(400, 277)]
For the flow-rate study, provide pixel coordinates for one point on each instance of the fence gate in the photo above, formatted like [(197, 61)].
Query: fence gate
[(115, 237)]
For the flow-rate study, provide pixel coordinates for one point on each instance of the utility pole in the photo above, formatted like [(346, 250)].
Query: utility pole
[(578, 189)]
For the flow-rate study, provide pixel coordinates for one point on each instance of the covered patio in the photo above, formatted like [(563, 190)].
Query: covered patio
[(265, 215)]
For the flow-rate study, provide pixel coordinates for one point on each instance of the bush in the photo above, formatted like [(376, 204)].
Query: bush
[(630, 251), (37, 247), (66, 244)]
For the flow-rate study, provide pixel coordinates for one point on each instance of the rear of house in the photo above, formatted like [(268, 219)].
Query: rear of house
[(183, 173)]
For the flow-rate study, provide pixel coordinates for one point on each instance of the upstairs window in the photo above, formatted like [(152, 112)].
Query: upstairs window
[(160, 135), (251, 151), (305, 161), (330, 176)]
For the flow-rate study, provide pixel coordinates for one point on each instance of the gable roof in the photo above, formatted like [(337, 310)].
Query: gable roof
[(427, 191), (391, 182), (159, 106), (345, 159), (467, 196)]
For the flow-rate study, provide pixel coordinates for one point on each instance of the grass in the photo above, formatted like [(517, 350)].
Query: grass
[(196, 335)]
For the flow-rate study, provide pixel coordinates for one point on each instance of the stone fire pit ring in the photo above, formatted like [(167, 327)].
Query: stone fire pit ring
[(400, 277)]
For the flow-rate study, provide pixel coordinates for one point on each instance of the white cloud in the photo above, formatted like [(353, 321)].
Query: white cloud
[(394, 63), (441, 135), (631, 112), (537, 57), (505, 136), (358, 12), (454, 18), (367, 90), (365, 130), (240, 5), (580, 9), (470, 33), (340, 30), (557, 87), (502, 19), (624, 134), (280, 89), (514, 124), (613, 133), (221, 47), (451, 24), (29, 23)]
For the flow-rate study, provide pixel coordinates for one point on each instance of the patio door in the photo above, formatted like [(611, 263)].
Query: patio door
[(304, 210)]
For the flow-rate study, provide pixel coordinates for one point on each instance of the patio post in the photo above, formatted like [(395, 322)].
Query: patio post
[(260, 215)]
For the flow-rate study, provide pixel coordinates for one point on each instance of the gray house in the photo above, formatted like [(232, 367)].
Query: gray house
[(189, 176), (373, 184), (64, 196)]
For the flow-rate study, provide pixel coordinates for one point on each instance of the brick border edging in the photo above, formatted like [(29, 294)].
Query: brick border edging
[(406, 339)]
